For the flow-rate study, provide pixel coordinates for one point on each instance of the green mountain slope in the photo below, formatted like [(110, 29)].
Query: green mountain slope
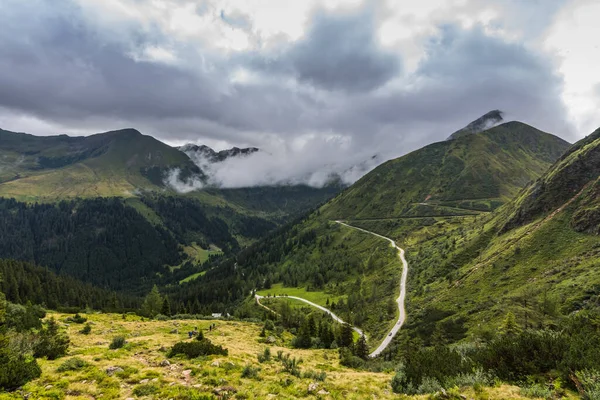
[(474, 172), (325, 260), (117, 163), (537, 256)]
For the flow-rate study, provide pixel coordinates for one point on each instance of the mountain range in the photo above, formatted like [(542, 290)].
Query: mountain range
[(495, 212), (452, 205)]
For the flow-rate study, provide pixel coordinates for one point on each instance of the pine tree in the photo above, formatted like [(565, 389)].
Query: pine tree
[(152, 303), (509, 326), (166, 307), (362, 349), (346, 337)]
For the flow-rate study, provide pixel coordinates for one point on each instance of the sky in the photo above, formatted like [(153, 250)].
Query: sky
[(318, 86)]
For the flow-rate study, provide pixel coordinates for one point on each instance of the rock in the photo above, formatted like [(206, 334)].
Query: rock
[(162, 349), (215, 363), (312, 387), (271, 339), (172, 384), (48, 387), (322, 392), (110, 371), (187, 373), (175, 331), (154, 380), (165, 363), (144, 381)]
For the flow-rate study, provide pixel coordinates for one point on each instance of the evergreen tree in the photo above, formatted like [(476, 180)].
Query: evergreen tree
[(152, 303), (166, 307), (509, 326), (346, 337), (52, 343), (362, 349)]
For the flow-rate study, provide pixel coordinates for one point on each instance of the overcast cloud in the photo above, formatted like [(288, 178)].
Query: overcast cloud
[(319, 86)]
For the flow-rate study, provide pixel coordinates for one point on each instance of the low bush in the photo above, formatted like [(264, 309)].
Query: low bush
[(77, 319), (16, 368), (250, 372), (72, 364), (197, 348), (117, 343), (265, 356), (317, 376), (86, 329), (590, 383), (145, 390), (536, 391), (348, 359)]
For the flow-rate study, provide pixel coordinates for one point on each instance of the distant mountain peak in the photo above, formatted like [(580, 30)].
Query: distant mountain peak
[(195, 151), (486, 121)]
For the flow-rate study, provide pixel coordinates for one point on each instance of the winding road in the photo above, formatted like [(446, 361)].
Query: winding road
[(400, 300), (326, 310)]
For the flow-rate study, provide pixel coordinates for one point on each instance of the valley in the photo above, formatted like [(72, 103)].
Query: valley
[(410, 287)]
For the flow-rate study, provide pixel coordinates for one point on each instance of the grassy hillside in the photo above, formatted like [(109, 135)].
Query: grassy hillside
[(117, 163), (536, 257), (143, 371), (413, 199), (474, 172)]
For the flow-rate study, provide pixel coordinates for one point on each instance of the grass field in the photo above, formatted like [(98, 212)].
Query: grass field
[(319, 298), (145, 374), (192, 277)]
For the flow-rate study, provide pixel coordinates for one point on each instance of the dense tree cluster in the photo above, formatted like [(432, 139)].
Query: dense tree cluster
[(189, 222), (23, 338), (23, 282), (101, 241), (569, 353)]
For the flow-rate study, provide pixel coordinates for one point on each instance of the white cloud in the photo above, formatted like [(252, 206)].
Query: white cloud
[(575, 37)]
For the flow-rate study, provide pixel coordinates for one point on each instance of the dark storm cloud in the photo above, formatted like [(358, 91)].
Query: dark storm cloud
[(340, 52), (464, 74), (57, 66)]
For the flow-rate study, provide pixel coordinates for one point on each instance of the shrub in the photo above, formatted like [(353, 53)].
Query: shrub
[(52, 343), (269, 325), (86, 329), (536, 391), (429, 385), (399, 381), (317, 376), (117, 343), (16, 368), (72, 364), (265, 356), (161, 317), (514, 357), (145, 390), (472, 379), (22, 318), (77, 319), (197, 348), (250, 372), (590, 382), (441, 363), (348, 359)]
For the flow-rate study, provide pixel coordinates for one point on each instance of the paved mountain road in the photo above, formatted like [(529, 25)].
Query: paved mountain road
[(400, 300)]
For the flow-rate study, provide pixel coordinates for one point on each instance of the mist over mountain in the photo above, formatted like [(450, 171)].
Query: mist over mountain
[(250, 167), (486, 121)]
